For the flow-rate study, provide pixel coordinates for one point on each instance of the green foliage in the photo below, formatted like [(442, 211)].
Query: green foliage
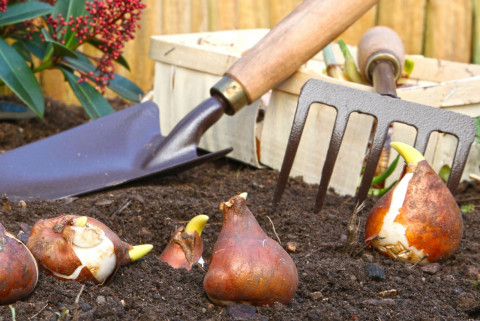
[(350, 67), (444, 173), (16, 74), (409, 64), (382, 177), (477, 132), (36, 35), (469, 208), (476, 284), (23, 11)]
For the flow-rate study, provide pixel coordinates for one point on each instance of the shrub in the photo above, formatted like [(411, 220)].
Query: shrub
[(39, 35)]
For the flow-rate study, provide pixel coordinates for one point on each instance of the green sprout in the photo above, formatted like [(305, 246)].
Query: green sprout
[(444, 173), (408, 68), (350, 67), (469, 208), (382, 178), (477, 132)]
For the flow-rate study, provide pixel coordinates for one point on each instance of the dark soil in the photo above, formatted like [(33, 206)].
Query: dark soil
[(333, 285)]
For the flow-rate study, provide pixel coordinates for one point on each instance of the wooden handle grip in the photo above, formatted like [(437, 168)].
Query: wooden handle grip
[(380, 43), (292, 42)]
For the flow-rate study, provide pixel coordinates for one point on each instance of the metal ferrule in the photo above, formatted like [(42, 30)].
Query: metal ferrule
[(383, 78), (233, 92), (383, 55)]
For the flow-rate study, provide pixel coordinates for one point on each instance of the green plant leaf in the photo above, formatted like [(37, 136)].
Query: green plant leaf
[(81, 62), (378, 192), (477, 132), (126, 88), (13, 111), (69, 10), (59, 48), (121, 59), (349, 66), (36, 46), (23, 51), (20, 79), (383, 176), (469, 208), (328, 55), (444, 173), (409, 64), (92, 101), (22, 11), (121, 85)]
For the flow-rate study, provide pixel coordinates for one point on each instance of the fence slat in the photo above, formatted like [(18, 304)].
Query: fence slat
[(448, 33), (176, 16), (353, 34), (279, 9), (253, 14), (476, 32), (437, 28), (407, 18), (222, 15), (136, 51), (199, 16)]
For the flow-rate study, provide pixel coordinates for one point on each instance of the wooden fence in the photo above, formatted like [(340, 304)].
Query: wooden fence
[(445, 29)]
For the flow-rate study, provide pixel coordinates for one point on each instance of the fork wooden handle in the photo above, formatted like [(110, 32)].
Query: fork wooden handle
[(292, 42), (380, 43)]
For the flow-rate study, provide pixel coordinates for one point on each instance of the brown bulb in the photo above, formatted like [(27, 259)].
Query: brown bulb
[(80, 248), (18, 269), (418, 220), (186, 247), (246, 265), (183, 250)]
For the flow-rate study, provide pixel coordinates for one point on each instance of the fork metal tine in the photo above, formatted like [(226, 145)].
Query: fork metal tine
[(386, 110), (300, 118), (373, 156), (338, 132)]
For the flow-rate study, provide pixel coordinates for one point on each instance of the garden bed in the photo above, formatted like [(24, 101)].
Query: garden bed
[(333, 285)]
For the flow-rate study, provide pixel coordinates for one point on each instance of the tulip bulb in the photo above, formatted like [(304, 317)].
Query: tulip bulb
[(18, 269), (186, 247), (81, 248), (247, 266), (418, 220)]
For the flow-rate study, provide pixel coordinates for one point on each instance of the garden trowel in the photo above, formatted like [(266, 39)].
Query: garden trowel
[(128, 145)]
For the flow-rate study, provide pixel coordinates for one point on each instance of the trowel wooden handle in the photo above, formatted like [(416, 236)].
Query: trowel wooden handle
[(380, 43), (292, 42)]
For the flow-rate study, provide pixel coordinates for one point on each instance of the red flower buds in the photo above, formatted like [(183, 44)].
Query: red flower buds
[(18, 268), (80, 248), (418, 220)]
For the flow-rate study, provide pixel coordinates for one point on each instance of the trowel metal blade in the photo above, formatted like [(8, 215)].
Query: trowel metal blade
[(102, 153)]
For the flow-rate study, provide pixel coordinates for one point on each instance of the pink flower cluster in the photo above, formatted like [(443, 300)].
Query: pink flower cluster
[(3, 5), (113, 22), (58, 26)]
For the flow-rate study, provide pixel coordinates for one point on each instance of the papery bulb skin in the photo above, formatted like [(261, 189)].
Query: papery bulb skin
[(418, 220), (183, 250), (246, 266), (186, 247), (18, 269), (80, 248)]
